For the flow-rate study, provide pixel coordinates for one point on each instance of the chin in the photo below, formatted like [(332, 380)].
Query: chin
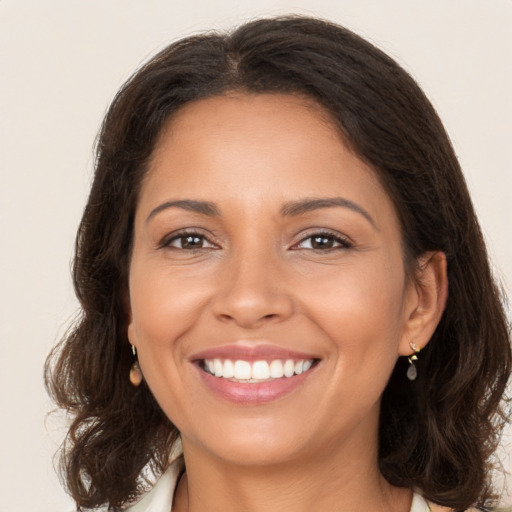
[(258, 451), (250, 441)]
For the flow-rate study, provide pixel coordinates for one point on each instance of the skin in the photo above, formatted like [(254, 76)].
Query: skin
[(252, 277)]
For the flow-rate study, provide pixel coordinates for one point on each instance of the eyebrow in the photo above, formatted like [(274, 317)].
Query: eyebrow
[(202, 207), (306, 205), (289, 209)]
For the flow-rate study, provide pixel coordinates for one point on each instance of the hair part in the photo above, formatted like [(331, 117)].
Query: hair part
[(436, 434)]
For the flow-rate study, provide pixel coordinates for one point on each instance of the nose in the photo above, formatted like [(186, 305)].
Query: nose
[(252, 291)]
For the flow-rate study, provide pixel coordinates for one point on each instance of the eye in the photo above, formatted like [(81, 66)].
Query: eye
[(323, 242), (188, 241)]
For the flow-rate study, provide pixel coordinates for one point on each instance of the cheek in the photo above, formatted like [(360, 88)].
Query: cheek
[(361, 312), (363, 318), (162, 311), (163, 305), (366, 296)]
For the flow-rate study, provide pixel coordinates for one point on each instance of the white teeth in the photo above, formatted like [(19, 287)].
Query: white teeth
[(289, 368), (229, 369), (242, 370), (260, 370), (257, 371), (217, 366), (276, 369)]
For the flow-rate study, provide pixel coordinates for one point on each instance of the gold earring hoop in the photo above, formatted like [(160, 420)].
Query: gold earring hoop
[(412, 371), (135, 371)]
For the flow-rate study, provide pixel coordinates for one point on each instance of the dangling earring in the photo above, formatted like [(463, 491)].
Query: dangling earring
[(412, 371), (135, 371)]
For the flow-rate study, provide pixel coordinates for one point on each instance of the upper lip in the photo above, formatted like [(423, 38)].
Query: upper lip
[(251, 353)]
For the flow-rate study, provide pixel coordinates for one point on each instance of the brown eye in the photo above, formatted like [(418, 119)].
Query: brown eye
[(189, 241), (323, 242)]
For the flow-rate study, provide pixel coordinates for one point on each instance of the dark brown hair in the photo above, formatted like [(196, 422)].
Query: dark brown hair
[(437, 434)]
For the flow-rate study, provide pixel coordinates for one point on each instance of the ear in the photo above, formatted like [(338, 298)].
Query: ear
[(128, 317), (425, 301), (130, 333)]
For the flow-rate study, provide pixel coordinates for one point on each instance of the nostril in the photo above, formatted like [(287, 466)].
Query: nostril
[(251, 305)]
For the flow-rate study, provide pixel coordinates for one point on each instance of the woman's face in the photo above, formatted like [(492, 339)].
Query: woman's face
[(264, 248)]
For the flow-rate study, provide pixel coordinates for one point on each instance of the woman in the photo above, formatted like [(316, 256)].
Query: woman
[(281, 271)]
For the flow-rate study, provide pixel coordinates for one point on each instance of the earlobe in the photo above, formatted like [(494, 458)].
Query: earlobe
[(128, 318), (130, 334), (425, 301), (130, 330)]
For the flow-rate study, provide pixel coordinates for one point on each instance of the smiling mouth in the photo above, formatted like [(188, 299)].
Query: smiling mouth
[(255, 372)]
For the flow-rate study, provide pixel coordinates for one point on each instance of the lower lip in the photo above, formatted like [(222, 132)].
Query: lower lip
[(255, 393)]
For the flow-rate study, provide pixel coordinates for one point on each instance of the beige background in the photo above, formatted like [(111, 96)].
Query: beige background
[(61, 61)]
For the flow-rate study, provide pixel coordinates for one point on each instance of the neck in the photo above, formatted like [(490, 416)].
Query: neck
[(342, 477)]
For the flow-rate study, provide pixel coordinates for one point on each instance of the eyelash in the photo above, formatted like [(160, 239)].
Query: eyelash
[(166, 242), (331, 237), (342, 241)]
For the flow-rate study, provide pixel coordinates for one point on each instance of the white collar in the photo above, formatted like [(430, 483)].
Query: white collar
[(159, 498), (419, 504)]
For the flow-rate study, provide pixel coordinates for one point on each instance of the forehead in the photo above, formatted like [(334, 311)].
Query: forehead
[(236, 105), (255, 147), (235, 115)]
